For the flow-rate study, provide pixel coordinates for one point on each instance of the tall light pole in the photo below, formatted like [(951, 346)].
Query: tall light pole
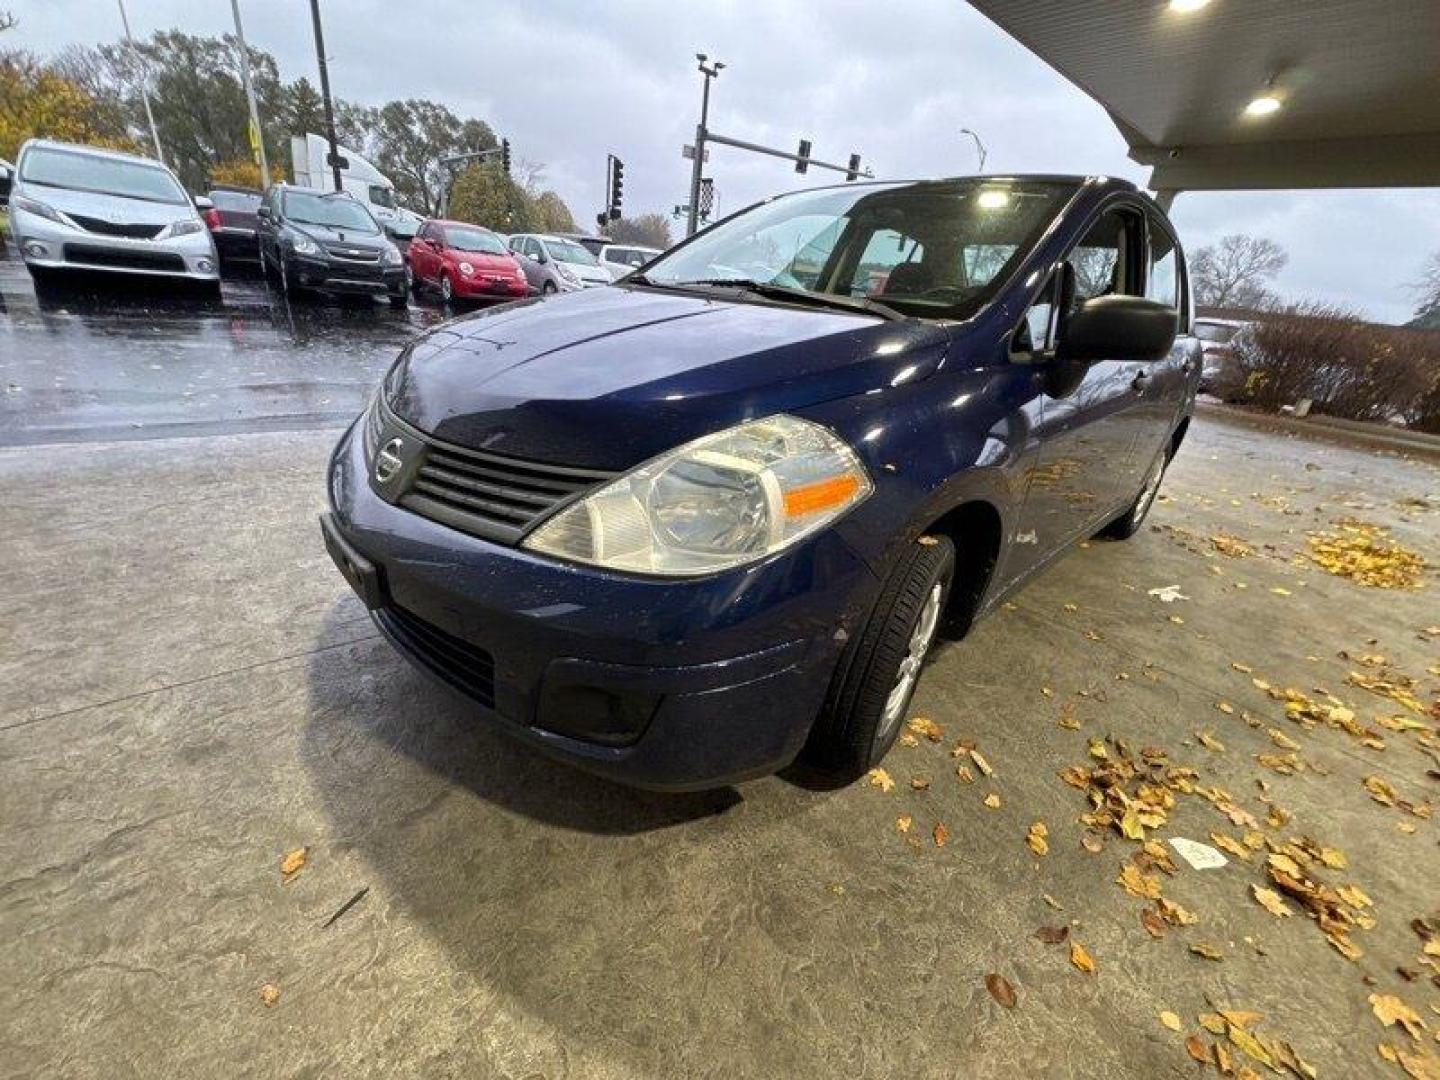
[(256, 135), (325, 94), (979, 147), (144, 81), (709, 71)]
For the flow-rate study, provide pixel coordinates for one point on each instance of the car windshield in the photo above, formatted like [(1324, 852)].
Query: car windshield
[(403, 228), (1216, 332), (240, 201), (570, 252), (102, 175), (479, 240), (936, 249), (335, 211), (382, 196)]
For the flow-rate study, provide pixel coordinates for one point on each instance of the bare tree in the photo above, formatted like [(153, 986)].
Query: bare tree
[(1427, 292), (7, 21), (1236, 272)]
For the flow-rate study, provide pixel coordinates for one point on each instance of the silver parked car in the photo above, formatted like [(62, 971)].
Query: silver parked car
[(82, 208), (556, 264), (622, 259)]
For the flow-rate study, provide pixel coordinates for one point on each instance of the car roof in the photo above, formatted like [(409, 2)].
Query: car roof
[(465, 224), (93, 151)]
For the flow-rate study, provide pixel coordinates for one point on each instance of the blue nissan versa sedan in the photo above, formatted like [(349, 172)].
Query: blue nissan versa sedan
[(687, 528)]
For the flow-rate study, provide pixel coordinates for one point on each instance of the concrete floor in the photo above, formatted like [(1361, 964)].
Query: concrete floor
[(187, 691)]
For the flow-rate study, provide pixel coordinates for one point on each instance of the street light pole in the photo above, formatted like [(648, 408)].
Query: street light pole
[(693, 218), (979, 147), (144, 81), (325, 93), (256, 134)]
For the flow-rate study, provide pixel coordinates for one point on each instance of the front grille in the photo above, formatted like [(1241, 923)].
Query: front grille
[(487, 495), (88, 255), (350, 254), (467, 667), (112, 228)]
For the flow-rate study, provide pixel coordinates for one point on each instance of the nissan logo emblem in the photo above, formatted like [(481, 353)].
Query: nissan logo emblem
[(388, 461)]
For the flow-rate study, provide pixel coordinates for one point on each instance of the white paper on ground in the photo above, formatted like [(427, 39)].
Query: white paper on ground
[(1168, 594), (1199, 856)]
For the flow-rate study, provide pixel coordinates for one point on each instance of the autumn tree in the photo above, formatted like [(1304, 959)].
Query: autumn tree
[(1236, 272), (649, 230), (410, 137), (484, 195), (36, 102), (551, 214)]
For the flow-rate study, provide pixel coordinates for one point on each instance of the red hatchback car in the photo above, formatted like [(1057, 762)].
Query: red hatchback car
[(464, 262)]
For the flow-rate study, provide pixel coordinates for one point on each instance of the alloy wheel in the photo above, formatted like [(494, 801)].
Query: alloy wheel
[(921, 639)]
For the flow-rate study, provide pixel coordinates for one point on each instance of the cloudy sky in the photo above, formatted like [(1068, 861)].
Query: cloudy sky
[(569, 81)]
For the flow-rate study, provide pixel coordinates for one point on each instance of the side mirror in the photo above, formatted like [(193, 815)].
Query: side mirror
[(202, 203), (1118, 328)]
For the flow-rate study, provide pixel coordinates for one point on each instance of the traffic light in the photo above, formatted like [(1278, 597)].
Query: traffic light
[(853, 172), (505, 155), (804, 163), (617, 186)]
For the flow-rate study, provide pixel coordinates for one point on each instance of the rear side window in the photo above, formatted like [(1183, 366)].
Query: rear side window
[(1162, 282)]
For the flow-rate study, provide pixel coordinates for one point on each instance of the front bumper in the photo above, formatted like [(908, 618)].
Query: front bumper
[(484, 287), (348, 277), (48, 245), (671, 684)]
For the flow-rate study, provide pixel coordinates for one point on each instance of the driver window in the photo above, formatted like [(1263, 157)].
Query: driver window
[(886, 250), (1101, 260)]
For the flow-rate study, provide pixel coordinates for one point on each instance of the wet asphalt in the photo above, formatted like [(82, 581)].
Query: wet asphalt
[(110, 359)]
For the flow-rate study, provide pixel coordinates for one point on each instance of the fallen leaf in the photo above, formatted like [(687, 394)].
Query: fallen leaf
[(1036, 838), (1249, 1044), (941, 834), (1390, 1010), (1137, 883), (1000, 989), (1152, 922), (919, 783), (1170, 1020), (964, 774), (903, 822), (881, 779), (1195, 1047), (993, 801), (1270, 900), (1081, 959), (1210, 742), (981, 763), (293, 862), (923, 725), (1052, 935), (1209, 952), (269, 993)]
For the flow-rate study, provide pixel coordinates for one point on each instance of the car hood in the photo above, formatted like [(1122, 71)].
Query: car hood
[(586, 272), (114, 208), (607, 378), (483, 261), (324, 234)]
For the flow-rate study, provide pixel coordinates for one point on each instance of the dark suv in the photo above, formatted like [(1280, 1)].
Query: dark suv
[(683, 530), (326, 241)]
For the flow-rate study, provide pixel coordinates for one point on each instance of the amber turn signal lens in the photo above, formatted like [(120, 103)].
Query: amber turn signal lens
[(821, 495)]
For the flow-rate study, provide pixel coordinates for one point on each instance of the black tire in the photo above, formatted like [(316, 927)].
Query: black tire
[(549, 288), (1129, 523), (447, 288), (852, 733), (400, 299), (287, 284)]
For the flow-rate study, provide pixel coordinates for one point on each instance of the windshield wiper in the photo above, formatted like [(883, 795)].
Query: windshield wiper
[(772, 291)]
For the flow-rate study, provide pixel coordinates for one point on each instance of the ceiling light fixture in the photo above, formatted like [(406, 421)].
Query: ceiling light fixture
[(1185, 7), (1263, 105), (994, 199)]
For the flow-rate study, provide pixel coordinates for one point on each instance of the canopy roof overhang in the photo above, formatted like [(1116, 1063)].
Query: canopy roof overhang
[(1358, 82)]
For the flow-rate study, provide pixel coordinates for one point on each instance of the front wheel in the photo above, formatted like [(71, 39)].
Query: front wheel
[(1128, 523), (549, 288), (447, 289), (875, 679)]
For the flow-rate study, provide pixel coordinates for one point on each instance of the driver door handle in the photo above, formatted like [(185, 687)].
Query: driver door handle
[(1141, 380)]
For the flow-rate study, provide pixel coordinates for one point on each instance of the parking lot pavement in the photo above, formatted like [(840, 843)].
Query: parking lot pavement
[(106, 361), (188, 692)]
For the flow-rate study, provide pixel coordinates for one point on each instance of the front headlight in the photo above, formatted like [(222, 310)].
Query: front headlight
[(391, 256), (38, 208), (727, 499), (303, 245), (183, 228), (568, 274), (467, 269)]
